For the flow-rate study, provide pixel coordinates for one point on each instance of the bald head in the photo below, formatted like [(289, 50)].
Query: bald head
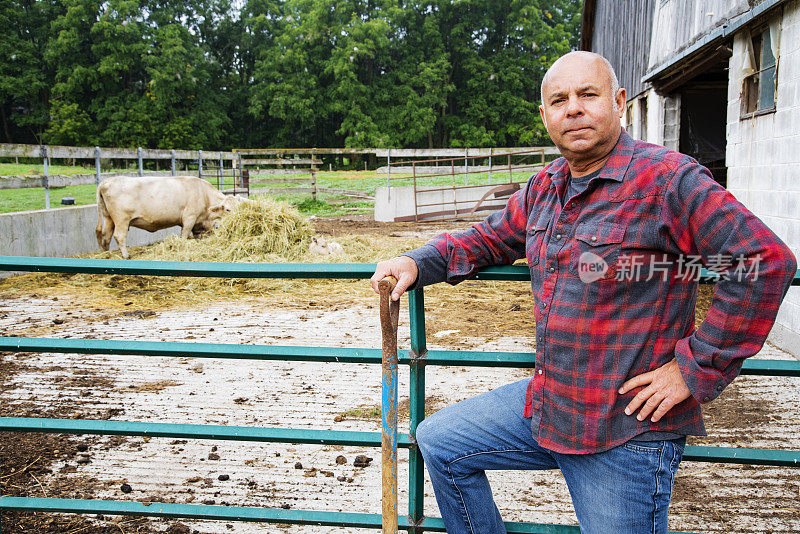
[(582, 104), (577, 60)]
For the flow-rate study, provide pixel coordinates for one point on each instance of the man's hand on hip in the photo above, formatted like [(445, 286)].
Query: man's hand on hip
[(665, 388), (402, 267)]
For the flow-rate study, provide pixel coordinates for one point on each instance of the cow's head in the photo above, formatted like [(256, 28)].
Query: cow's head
[(217, 212), (227, 204)]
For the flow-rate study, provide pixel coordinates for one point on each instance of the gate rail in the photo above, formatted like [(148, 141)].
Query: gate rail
[(417, 358)]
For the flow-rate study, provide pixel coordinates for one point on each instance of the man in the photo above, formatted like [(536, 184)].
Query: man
[(614, 232)]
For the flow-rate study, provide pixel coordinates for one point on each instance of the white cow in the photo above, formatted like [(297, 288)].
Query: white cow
[(153, 203)]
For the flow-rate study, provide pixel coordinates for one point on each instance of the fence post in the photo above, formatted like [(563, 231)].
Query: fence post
[(241, 172), (466, 162), (172, 161), (455, 196), (388, 167), (97, 165), (416, 204), (200, 164), (313, 182), (491, 151), (139, 157), (220, 177), (222, 170), (416, 475), (46, 177)]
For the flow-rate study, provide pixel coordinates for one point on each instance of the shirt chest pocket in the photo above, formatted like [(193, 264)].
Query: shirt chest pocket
[(534, 243), (596, 250)]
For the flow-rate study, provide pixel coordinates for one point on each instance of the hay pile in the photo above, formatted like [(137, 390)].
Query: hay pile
[(263, 230), (258, 230)]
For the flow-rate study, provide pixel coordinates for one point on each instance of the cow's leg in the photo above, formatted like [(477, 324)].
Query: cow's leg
[(121, 235), (187, 225)]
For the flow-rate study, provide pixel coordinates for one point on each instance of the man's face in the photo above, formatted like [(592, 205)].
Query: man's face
[(580, 113)]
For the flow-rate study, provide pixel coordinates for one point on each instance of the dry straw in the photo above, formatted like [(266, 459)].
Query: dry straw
[(258, 230)]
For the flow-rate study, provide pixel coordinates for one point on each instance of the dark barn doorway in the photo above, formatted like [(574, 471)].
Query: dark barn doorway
[(704, 110), (702, 84)]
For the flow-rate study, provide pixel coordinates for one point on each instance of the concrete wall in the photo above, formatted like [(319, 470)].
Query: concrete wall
[(62, 232), (763, 158), (393, 202)]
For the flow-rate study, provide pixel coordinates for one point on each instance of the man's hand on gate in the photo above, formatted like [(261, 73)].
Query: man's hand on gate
[(402, 267), (666, 389)]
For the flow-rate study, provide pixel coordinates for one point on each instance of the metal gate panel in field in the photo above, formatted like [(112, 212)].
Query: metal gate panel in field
[(432, 200), (271, 170)]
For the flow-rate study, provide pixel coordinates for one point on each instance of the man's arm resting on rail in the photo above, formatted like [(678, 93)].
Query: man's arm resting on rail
[(498, 240)]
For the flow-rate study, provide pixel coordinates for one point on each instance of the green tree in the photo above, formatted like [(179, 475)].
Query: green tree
[(499, 52), (419, 73), (25, 77), (186, 107)]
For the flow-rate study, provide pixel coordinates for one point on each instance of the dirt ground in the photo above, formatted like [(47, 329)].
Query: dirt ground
[(753, 412)]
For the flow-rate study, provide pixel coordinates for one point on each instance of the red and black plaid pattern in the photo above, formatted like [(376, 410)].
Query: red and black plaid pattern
[(653, 205)]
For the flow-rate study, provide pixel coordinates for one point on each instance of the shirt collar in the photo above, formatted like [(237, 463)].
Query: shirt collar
[(615, 168)]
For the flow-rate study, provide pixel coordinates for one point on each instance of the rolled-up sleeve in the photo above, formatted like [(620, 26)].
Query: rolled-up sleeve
[(701, 218)]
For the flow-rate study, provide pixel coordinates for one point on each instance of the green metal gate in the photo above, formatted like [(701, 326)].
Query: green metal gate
[(417, 358)]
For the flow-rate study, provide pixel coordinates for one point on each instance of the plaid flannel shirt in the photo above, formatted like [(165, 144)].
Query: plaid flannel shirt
[(600, 319)]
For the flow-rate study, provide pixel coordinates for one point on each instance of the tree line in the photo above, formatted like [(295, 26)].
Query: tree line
[(219, 74)]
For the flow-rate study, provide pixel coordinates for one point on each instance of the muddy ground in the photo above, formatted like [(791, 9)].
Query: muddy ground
[(753, 412)]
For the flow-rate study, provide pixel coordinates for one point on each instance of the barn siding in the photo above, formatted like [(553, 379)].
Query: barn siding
[(622, 30), (678, 24)]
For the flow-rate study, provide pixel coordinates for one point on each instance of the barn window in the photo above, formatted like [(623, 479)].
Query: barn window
[(760, 70), (643, 118)]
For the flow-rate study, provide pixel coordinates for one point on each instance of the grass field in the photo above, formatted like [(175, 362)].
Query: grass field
[(33, 199), (36, 169)]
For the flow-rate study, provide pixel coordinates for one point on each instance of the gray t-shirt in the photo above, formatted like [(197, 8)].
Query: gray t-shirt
[(576, 186)]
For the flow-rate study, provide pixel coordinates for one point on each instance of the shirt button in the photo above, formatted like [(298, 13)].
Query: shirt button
[(540, 371), (544, 305), (536, 261), (706, 399), (552, 270), (719, 388), (558, 236), (594, 238)]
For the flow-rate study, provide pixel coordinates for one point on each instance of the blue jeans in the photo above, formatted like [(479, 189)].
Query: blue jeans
[(623, 490)]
